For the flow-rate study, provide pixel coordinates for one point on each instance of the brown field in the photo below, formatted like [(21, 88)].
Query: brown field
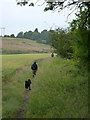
[(12, 45), (0, 43)]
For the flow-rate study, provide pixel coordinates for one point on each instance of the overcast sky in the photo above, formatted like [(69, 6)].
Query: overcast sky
[(16, 18)]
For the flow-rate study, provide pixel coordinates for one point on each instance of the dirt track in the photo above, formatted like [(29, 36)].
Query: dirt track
[(23, 107)]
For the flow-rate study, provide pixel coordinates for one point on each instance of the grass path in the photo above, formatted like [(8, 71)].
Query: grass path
[(26, 95), (23, 108)]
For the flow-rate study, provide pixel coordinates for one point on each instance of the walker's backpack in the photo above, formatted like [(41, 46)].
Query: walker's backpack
[(52, 55), (26, 84), (34, 67)]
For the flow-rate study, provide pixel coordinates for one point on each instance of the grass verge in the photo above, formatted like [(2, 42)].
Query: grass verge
[(60, 90)]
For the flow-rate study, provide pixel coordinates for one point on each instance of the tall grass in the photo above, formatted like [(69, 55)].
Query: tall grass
[(0, 86), (16, 69), (11, 63), (59, 91)]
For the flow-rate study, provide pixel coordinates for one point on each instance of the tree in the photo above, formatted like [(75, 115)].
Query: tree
[(20, 35), (81, 30), (36, 35), (54, 4), (36, 30), (79, 27), (62, 41), (6, 36), (45, 36), (28, 35), (32, 35), (12, 36)]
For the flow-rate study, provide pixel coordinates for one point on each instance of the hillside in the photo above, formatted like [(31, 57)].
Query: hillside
[(18, 45)]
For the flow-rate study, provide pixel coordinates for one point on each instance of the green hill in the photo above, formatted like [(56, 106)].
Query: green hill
[(18, 45)]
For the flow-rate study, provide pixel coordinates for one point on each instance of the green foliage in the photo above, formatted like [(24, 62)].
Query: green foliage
[(81, 46), (81, 30), (62, 41), (43, 37), (20, 35), (51, 4), (12, 36), (31, 4), (6, 36), (36, 30)]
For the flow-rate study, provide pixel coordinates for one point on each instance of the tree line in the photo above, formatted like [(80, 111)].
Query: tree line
[(72, 43), (40, 37)]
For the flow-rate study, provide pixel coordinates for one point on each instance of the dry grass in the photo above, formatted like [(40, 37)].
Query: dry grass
[(17, 44)]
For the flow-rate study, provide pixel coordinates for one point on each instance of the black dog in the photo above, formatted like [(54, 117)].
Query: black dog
[(27, 84)]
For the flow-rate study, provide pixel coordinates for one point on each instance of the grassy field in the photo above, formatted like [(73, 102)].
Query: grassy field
[(0, 86), (59, 90), (15, 70), (18, 45)]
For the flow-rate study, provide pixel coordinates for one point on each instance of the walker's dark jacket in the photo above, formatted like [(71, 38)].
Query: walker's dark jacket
[(34, 66)]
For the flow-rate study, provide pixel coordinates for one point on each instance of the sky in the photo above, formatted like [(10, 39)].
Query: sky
[(15, 18)]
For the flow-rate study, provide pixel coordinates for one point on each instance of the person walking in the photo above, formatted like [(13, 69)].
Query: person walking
[(34, 68), (52, 54)]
